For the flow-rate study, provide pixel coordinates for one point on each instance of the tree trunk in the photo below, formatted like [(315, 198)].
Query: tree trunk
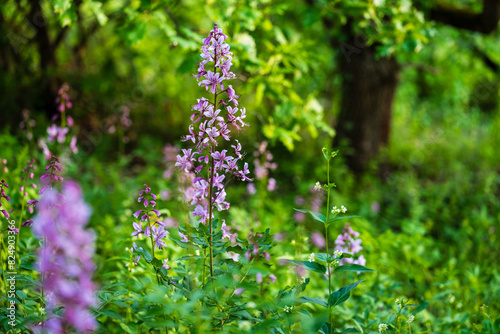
[(368, 87)]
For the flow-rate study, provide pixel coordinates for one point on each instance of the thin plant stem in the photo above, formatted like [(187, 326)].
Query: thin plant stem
[(21, 217), (210, 189), (327, 242), (152, 242)]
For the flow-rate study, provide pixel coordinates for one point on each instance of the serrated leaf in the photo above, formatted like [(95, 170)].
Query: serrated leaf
[(312, 300), (342, 294), (316, 215), (314, 266), (352, 267)]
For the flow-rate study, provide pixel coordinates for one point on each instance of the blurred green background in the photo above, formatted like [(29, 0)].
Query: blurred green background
[(407, 90)]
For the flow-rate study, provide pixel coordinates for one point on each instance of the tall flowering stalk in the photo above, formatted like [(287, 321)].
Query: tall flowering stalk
[(153, 230), (326, 263), (211, 120), (65, 260), (3, 186)]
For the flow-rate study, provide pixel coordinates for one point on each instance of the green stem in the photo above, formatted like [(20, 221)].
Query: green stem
[(327, 242), (210, 189), (152, 242), (21, 217)]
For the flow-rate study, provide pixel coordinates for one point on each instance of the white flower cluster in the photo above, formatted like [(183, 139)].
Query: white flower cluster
[(288, 309), (318, 186), (311, 257), (410, 319), (342, 209), (337, 253), (382, 328)]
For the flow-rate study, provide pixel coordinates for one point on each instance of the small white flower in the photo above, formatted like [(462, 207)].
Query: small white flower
[(335, 210), (245, 325), (311, 257), (337, 253), (343, 209), (303, 279), (335, 263), (398, 302), (382, 328), (288, 309), (410, 319), (318, 186)]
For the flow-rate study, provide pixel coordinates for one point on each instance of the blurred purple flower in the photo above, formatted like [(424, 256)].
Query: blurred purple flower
[(184, 238), (318, 240), (65, 260)]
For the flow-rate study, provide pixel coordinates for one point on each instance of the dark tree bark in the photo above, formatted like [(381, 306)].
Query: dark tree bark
[(369, 84), (368, 88)]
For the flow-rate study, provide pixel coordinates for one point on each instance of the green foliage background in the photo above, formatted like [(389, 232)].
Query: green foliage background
[(435, 238)]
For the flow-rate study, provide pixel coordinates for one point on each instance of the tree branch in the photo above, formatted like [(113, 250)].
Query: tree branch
[(485, 22)]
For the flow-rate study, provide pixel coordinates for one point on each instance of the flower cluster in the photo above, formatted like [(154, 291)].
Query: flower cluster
[(63, 101), (346, 242), (47, 180), (121, 121), (29, 175), (156, 231), (288, 309), (260, 279), (27, 123), (50, 176), (209, 123), (263, 163), (65, 260), (382, 328), (336, 210), (318, 186), (410, 319), (58, 133), (4, 185)]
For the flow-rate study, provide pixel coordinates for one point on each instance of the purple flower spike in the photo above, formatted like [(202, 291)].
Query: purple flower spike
[(212, 120), (65, 260), (3, 195)]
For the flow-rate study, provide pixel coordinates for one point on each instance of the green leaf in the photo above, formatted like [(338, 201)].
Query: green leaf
[(352, 267), (96, 8), (312, 300), (350, 330), (315, 215), (120, 292), (111, 314), (314, 266), (342, 294), (420, 307), (184, 244), (21, 294), (327, 328), (144, 253), (340, 218)]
